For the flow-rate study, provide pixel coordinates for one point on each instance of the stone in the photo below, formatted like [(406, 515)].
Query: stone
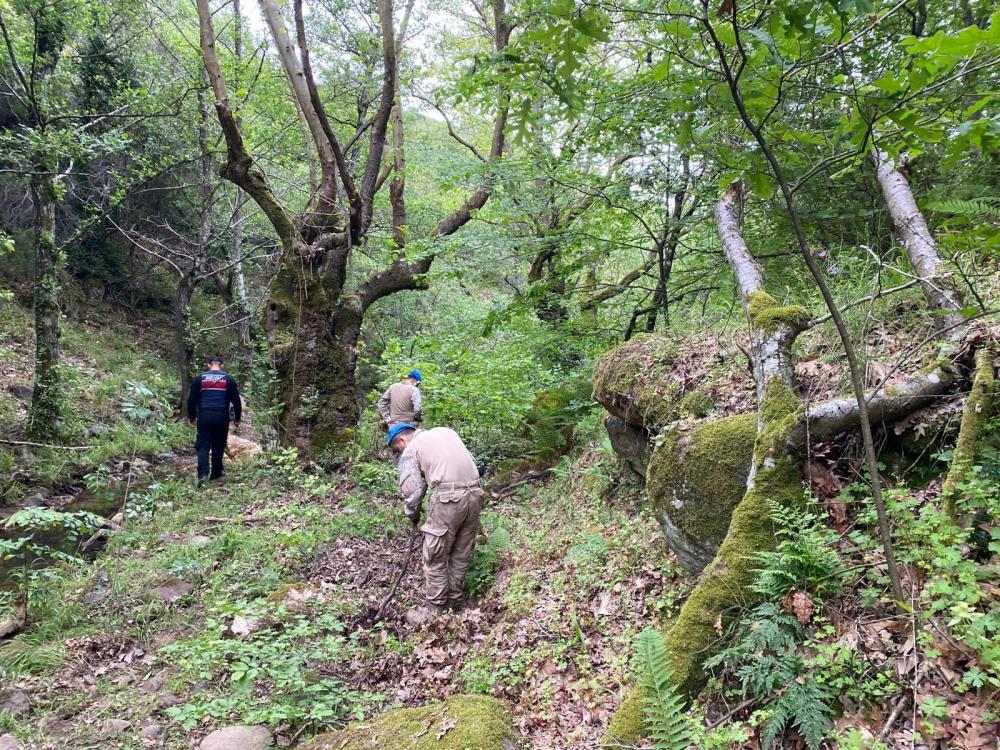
[(238, 448), (111, 727), (21, 391), (198, 540), (173, 592), (96, 429), (237, 738), (166, 458), (696, 478), (7, 742), (166, 700), (38, 500), (631, 443), (153, 735), (14, 702)]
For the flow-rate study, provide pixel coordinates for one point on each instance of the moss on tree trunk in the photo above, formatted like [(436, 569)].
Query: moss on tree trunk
[(314, 351), (43, 419), (978, 407)]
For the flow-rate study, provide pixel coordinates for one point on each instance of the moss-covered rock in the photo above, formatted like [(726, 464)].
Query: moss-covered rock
[(634, 381), (767, 315), (696, 477), (696, 404), (724, 586), (463, 722)]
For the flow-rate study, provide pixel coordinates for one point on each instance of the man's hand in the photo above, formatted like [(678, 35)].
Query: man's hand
[(190, 423), (236, 427)]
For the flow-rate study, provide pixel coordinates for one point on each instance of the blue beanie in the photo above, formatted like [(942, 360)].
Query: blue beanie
[(415, 374), (395, 430)]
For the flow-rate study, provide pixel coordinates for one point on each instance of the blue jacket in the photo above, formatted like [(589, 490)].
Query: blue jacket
[(214, 391)]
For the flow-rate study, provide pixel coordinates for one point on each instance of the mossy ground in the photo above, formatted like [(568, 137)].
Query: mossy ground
[(463, 722)]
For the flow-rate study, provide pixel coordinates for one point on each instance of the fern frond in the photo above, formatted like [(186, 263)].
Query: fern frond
[(979, 207), (666, 722)]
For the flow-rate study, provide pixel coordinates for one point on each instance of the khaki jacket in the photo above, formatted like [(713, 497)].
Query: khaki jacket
[(435, 458), (400, 404)]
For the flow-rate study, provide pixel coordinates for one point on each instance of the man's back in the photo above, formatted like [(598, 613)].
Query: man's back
[(213, 391), (442, 457), (403, 402)]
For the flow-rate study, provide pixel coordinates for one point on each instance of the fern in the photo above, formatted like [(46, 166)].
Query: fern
[(666, 721), (764, 656), (806, 705), (804, 558), (980, 207)]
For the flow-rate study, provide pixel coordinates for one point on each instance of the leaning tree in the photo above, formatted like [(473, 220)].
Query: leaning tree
[(318, 298)]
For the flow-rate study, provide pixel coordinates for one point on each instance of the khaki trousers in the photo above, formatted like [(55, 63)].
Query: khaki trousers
[(450, 540)]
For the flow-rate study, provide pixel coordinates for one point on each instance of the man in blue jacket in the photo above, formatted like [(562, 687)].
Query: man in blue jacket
[(209, 399)]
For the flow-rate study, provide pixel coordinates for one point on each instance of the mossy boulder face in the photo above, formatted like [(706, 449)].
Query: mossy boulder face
[(635, 382), (463, 722), (696, 478)]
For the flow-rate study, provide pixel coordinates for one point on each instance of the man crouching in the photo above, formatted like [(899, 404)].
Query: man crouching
[(437, 458)]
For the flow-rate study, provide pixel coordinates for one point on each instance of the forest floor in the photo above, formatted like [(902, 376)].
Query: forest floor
[(239, 604)]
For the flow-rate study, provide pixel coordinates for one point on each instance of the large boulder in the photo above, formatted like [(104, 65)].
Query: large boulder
[(697, 475), (463, 722)]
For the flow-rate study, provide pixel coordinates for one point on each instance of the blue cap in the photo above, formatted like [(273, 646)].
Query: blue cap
[(415, 374), (395, 430)]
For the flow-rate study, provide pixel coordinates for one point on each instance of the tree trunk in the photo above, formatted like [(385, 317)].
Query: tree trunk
[(45, 399), (239, 278), (183, 346), (911, 226)]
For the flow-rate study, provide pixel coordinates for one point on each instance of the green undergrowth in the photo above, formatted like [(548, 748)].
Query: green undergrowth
[(116, 399)]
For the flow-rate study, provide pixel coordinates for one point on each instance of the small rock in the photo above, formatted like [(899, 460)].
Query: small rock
[(166, 458), (173, 592), (14, 702), (96, 429), (237, 738), (200, 541), (153, 735), (111, 727), (166, 700), (37, 500), (7, 742), (139, 464), (21, 391)]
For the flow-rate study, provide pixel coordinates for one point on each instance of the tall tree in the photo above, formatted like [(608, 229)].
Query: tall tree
[(315, 308)]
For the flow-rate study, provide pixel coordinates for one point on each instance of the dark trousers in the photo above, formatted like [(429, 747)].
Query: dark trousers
[(213, 431)]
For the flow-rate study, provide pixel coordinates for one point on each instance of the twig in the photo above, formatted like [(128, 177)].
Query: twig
[(399, 576), (726, 717), (45, 445), (896, 711)]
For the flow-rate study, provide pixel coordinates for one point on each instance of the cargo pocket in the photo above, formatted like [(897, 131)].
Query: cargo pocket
[(435, 542)]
